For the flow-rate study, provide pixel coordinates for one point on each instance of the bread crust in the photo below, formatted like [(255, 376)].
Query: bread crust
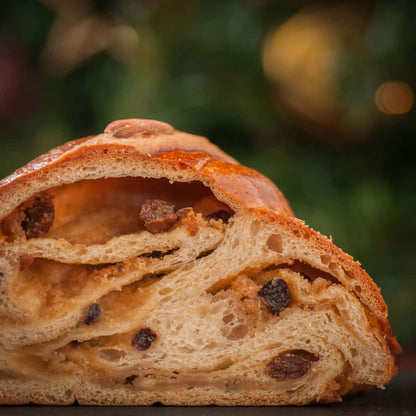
[(150, 148), (192, 156)]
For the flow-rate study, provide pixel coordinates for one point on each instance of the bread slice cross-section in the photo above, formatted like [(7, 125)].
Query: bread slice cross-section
[(145, 265)]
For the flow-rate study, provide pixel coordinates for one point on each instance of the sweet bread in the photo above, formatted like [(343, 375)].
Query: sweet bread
[(145, 265)]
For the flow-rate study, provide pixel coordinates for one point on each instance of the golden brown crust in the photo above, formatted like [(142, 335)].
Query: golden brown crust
[(244, 186), (182, 157), (42, 160)]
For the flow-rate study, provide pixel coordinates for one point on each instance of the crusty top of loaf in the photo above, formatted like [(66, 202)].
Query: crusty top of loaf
[(149, 148), (138, 141)]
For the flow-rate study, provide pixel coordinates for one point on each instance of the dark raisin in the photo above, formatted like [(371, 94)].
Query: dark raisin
[(276, 295), (222, 214), (143, 339), (289, 366), (39, 217), (158, 215), (93, 314), (130, 379)]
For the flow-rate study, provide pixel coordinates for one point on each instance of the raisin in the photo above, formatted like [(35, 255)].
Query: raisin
[(39, 217), (93, 314), (222, 215), (143, 339), (276, 295), (158, 215), (130, 379), (289, 366)]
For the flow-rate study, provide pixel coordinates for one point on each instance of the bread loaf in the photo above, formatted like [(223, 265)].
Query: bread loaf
[(145, 265)]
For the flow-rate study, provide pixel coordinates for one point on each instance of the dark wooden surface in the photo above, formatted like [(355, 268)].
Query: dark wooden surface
[(399, 398)]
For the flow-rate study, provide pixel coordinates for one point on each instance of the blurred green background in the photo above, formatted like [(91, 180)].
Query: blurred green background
[(319, 96)]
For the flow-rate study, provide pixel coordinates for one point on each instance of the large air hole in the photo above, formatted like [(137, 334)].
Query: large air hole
[(307, 355), (309, 272), (94, 211), (275, 243)]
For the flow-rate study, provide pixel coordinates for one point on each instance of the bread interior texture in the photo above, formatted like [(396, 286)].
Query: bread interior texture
[(99, 298)]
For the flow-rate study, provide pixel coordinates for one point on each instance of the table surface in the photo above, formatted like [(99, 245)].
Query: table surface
[(399, 398)]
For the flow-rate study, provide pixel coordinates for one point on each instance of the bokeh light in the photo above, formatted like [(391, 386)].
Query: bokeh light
[(78, 35), (305, 60), (394, 97)]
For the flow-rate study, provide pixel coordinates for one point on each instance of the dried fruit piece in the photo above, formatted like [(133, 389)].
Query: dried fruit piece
[(39, 217), (158, 215), (276, 295), (143, 339), (290, 365), (93, 313)]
